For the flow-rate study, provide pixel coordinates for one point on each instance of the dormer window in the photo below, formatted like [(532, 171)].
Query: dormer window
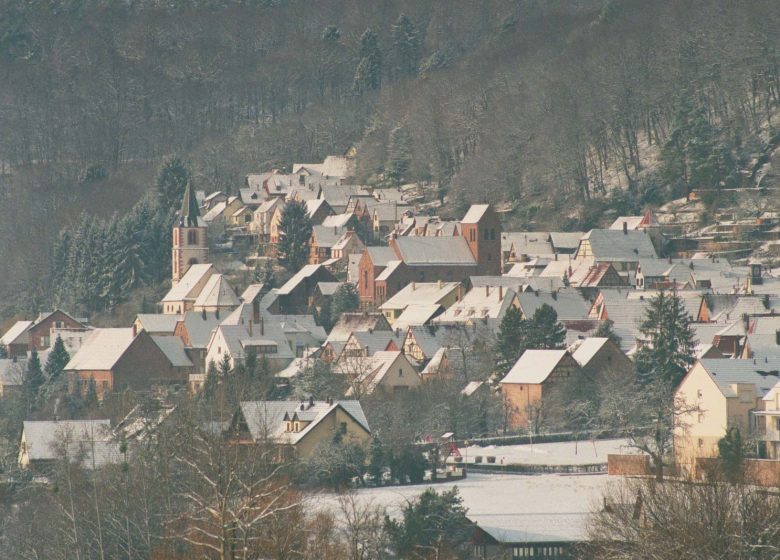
[(289, 426), (297, 426)]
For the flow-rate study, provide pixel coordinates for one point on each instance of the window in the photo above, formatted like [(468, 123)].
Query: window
[(400, 372), (289, 426), (472, 235), (701, 417), (699, 394), (297, 426), (485, 234), (343, 428), (192, 237)]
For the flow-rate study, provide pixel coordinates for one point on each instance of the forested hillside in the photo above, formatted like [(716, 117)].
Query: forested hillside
[(549, 104)]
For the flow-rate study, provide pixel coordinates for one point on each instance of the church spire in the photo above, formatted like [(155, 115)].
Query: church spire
[(189, 215)]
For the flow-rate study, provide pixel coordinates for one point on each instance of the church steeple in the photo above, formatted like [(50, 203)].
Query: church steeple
[(189, 215)]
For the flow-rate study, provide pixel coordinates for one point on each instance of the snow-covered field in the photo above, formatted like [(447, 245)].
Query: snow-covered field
[(513, 508), (561, 453)]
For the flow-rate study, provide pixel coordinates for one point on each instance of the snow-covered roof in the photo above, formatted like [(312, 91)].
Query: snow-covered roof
[(173, 348), (452, 251), (90, 439), (305, 272), (587, 349), (475, 213), (157, 323), (420, 293), (101, 349), (216, 293), (534, 366), (183, 288), (416, 315), (17, 334)]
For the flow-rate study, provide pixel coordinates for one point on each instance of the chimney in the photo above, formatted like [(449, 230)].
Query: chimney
[(414, 286), (250, 328), (487, 291), (256, 311), (135, 330), (500, 293), (438, 284), (625, 228), (216, 313), (203, 314), (311, 402), (262, 326)]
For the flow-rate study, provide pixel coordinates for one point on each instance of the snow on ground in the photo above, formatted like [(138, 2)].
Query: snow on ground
[(588, 452), (512, 508)]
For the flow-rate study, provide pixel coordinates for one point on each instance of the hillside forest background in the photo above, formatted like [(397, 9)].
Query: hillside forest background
[(570, 111)]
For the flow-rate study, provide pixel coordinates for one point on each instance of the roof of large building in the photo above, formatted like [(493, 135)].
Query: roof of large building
[(617, 246), (567, 302), (587, 349), (475, 213), (173, 348), (479, 303), (183, 288), (158, 323), (421, 293), (199, 327), (216, 293), (534, 366), (727, 372), (452, 251)]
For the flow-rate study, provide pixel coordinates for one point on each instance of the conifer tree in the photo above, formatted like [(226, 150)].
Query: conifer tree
[(57, 360), (211, 382), (345, 299), (294, 235), (91, 400), (399, 156), (406, 46), (368, 75), (546, 333), (171, 181), (667, 350), (33, 378), (512, 334)]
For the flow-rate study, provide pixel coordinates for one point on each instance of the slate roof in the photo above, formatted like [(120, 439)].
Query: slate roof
[(90, 438), (565, 241), (189, 215), (352, 322), (416, 315), (534, 366), (567, 302), (216, 293), (199, 328), (173, 348), (452, 251), (101, 349), (156, 323), (727, 371), (265, 419), (380, 256), (327, 236), (586, 350), (527, 242), (616, 246), (305, 272)]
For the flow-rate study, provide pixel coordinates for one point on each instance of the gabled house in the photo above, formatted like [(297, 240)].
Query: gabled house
[(163, 324), (444, 294), (296, 429), (598, 357), (217, 296), (349, 323), (16, 339), (481, 304), (194, 329), (40, 332), (718, 395), (534, 374), (261, 224), (389, 371), (295, 295), (12, 372), (267, 341), (624, 249), (116, 359), (89, 443)]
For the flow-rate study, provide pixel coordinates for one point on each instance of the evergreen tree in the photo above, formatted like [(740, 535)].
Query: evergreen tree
[(399, 156), (406, 46), (171, 181), (668, 341), (33, 378), (433, 523), (294, 236), (546, 333), (3, 352), (512, 334), (211, 382), (731, 449), (264, 274), (345, 299), (376, 460), (605, 330), (91, 400), (368, 75), (57, 360)]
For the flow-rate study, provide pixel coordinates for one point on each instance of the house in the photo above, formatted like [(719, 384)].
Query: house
[(597, 356), (529, 381), (296, 293), (242, 218), (318, 209), (348, 324), (194, 328), (322, 240), (16, 339), (388, 370), (211, 200), (624, 249), (123, 358), (363, 344), (40, 332), (219, 216), (415, 315), (524, 245), (297, 429), (717, 395), (443, 294), (182, 295), (267, 341), (261, 224), (440, 367), (89, 443), (565, 242), (632, 223), (568, 303), (12, 372), (348, 244), (770, 415)]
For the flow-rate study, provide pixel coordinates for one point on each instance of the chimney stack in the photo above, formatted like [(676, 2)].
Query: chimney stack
[(500, 293), (262, 326), (487, 291), (250, 328), (625, 228), (135, 330)]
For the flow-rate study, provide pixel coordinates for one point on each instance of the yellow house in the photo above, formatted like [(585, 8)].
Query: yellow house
[(717, 395), (297, 428), (440, 293)]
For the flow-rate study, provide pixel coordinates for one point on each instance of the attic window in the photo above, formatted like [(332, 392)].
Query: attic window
[(289, 426), (297, 426)]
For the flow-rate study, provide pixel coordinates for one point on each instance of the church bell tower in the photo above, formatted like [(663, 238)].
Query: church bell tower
[(190, 237)]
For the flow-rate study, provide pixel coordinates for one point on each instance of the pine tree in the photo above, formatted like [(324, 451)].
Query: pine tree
[(512, 335), (668, 345), (545, 330), (211, 382), (368, 75), (264, 274), (406, 46), (345, 299), (294, 235), (399, 156), (57, 360), (171, 181), (731, 450), (91, 400), (33, 378)]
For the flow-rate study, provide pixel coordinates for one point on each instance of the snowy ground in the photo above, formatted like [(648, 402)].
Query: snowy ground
[(562, 453), (512, 508)]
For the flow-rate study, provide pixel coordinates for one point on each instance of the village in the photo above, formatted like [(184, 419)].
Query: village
[(380, 299)]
